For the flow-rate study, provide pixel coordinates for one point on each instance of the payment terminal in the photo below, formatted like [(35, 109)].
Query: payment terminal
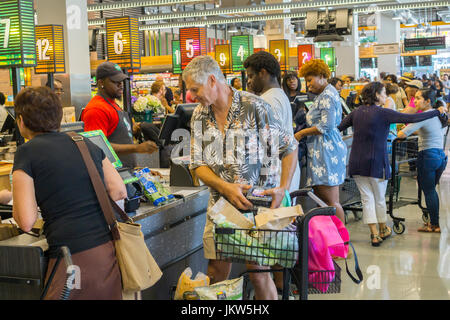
[(134, 189)]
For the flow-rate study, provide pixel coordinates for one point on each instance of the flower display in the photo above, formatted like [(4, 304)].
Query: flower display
[(148, 102)]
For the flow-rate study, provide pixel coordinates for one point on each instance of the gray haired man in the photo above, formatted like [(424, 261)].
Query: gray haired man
[(224, 110)]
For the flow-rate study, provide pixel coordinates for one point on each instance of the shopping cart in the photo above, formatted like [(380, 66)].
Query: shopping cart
[(241, 247), (350, 198), (403, 164)]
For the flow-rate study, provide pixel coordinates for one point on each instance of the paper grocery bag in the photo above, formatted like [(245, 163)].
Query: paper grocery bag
[(277, 219), (223, 207)]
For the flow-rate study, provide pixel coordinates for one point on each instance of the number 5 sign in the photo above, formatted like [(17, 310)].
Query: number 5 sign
[(192, 44), (50, 49), (122, 41)]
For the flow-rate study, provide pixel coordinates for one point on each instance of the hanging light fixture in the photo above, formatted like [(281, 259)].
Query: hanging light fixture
[(233, 29)]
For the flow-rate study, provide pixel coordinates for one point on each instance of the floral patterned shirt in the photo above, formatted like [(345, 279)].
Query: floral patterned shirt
[(249, 150)]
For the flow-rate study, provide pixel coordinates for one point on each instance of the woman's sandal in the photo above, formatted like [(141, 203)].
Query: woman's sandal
[(376, 237), (386, 233), (430, 229)]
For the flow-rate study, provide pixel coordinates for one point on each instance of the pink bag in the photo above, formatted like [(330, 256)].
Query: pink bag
[(327, 237)]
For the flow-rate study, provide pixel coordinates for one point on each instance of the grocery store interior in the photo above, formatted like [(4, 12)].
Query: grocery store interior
[(113, 73)]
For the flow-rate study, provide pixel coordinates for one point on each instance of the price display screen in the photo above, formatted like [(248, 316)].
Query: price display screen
[(223, 57), (50, 49), (280, 50), (241, 49), (192, 44), (17, 34)]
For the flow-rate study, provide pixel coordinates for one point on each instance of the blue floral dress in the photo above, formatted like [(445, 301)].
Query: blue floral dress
[(327, 152)]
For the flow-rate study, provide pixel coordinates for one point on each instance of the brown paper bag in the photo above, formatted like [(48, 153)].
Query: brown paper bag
[(232, 214), (277, 219)]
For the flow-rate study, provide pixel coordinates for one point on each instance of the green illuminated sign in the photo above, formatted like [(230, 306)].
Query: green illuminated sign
[(17, 36), (241, 49), (176, 57), (328, 55)]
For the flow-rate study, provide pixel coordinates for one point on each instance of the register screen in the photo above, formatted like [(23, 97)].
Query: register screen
[(98, 140)]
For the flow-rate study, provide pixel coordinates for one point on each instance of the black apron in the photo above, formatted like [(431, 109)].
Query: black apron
[(123, 134)]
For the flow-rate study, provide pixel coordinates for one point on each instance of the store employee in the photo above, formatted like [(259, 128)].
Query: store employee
[(102, 113)]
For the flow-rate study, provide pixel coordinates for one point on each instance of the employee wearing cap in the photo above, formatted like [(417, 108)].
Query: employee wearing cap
[(411, 89), (102, 113)]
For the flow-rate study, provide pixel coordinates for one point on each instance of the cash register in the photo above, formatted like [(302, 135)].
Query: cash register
[(134, 189)]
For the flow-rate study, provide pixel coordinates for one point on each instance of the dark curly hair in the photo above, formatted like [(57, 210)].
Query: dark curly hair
[(264, 60), (40, 109), (369, 93)]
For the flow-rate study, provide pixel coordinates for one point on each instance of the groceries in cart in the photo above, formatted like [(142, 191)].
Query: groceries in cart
[(271, 239)]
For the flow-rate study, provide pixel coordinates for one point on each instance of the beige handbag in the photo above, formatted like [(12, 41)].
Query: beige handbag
[(138, 268)]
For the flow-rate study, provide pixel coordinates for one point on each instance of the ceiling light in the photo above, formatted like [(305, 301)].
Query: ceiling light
[(300, 35), (232, 29), (420, 27)]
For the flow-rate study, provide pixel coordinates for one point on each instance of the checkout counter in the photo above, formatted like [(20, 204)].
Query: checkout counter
[(173, 233)]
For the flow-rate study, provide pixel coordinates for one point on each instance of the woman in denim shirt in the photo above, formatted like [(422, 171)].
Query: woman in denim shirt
[(431, 160)]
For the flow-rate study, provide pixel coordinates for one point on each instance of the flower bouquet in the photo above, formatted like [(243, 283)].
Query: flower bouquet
[(144, 107)]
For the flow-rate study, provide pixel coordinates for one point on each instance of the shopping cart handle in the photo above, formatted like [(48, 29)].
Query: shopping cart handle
[(322, 211), (301, 193)]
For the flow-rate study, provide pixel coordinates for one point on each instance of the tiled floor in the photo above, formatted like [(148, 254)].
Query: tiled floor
[(405, 267)]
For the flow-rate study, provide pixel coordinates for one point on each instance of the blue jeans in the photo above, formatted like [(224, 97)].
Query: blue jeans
[(431, 164)]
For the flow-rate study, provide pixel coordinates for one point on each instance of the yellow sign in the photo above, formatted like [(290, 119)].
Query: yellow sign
[(50, 49), (280, 50), (122, 41), (223, 57)]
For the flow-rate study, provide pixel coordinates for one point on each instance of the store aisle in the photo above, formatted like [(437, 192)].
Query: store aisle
[(405, 267)]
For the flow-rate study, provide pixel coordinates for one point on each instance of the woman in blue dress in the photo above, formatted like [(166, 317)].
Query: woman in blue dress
[(327, 152)]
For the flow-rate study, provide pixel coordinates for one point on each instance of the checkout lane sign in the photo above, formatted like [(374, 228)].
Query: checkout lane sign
[(17, 34), (223, 57), (176, 57), (50, 49), (305, 52), (122, 42), (241, 49), (328, 55), (192, 44), (280, 50)]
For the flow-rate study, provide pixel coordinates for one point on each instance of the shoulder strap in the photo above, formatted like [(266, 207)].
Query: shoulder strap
[(100, 190)]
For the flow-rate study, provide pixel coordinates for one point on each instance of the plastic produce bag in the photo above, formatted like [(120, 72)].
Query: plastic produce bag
[(225, 290), (185, 283)]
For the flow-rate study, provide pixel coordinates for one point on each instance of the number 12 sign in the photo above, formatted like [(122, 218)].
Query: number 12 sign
[(305, 53), (192, 44), (122, 39), (50, 49)]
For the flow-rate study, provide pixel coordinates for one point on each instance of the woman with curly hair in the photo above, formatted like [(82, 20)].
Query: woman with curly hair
[(327, 152)]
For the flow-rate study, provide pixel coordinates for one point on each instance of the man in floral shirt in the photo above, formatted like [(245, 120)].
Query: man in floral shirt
[(236, 143)]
